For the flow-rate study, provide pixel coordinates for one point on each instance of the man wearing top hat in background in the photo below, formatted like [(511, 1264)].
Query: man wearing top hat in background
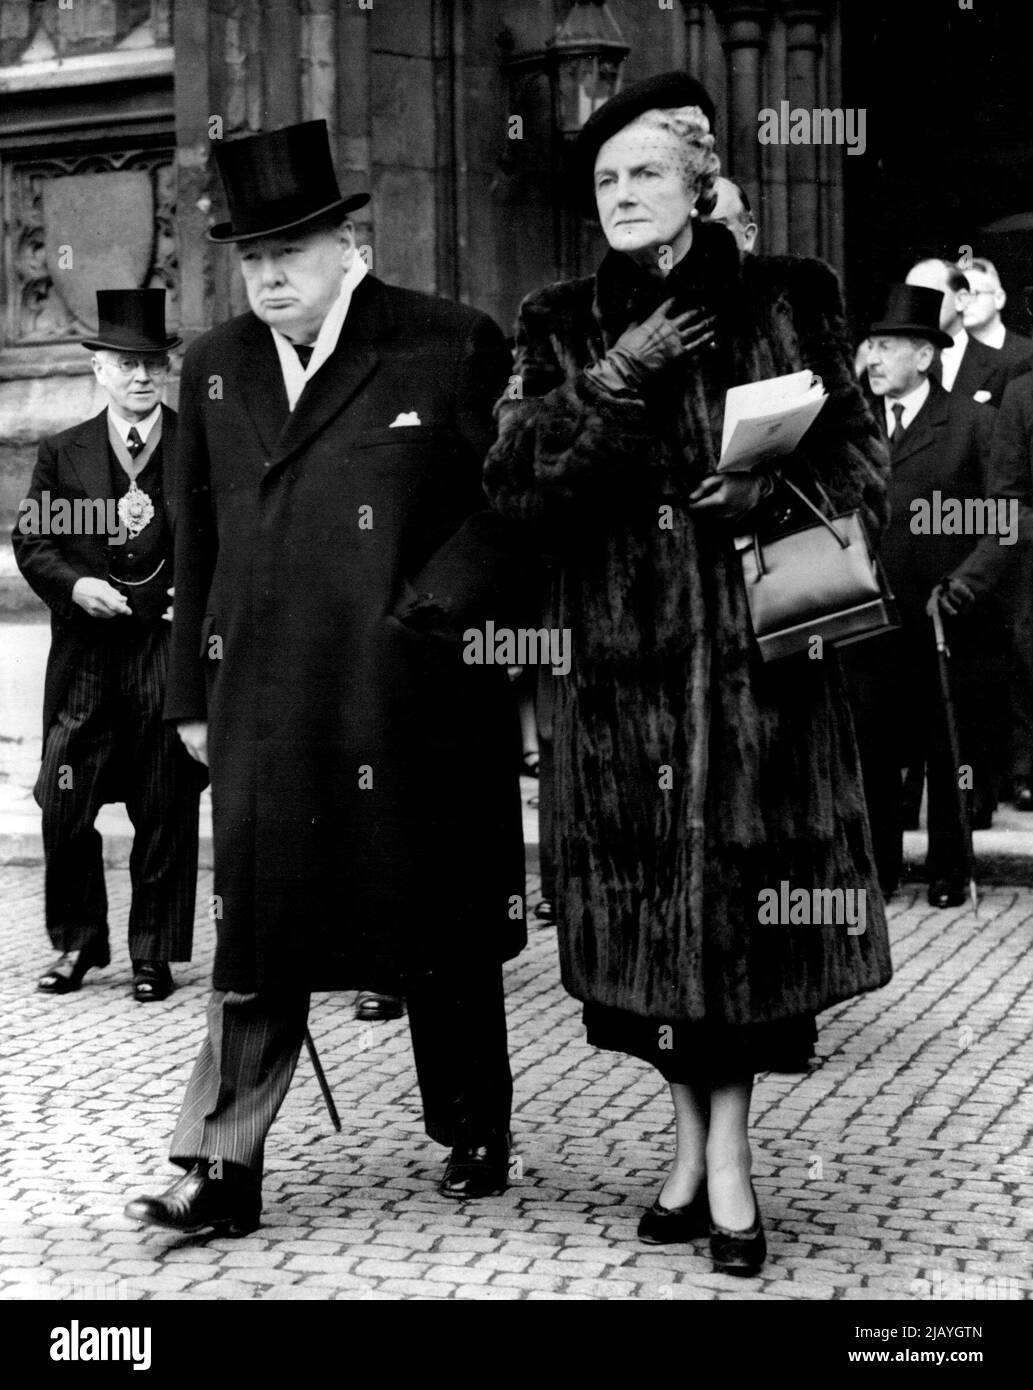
[(938, 442), (331, 443), (106, 577)]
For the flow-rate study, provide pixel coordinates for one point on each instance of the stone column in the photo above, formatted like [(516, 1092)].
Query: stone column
[(281, 85), (695, 22), (193, 108), (804, 24), (318, 68), (744, 41)]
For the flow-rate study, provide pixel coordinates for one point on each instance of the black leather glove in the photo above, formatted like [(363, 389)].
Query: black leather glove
[(644, 348)]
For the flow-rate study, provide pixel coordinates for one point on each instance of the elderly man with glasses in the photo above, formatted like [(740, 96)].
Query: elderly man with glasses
[(94, 540), (968, 367)]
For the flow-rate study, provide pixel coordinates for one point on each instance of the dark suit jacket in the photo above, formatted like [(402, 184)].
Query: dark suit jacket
[(1013, 474), (987, 369), (1017, 348), (947, 449), (348, 753), (76, 464)]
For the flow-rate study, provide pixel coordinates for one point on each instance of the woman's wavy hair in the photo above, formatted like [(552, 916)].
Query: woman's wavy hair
[(692, 129)]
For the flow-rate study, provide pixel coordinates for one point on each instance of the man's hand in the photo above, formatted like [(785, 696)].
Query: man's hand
[(727, 495), (167, 615), (99, 599), (952, 596), (193, 734)]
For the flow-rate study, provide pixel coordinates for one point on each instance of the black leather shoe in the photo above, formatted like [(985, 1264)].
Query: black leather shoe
[(1023, 795), (675, 1225), (152, 981), (65, 976), (739, 1252), (371, 1007), (197, 1202), (477, 1169), (946, 892)]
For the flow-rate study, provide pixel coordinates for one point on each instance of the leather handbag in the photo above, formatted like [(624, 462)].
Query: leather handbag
[(820, 580)]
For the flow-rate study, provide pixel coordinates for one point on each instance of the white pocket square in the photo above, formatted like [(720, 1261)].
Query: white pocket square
[(981, 397), (406, 417)]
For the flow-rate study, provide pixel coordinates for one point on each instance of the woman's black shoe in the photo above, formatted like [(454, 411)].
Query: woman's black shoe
[(675, 1225), (65, 976), (739, 1252)]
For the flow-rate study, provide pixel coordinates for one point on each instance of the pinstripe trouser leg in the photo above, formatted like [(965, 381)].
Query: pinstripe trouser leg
[(70, 791), (163, 791), (110, 723), (240, 1078)]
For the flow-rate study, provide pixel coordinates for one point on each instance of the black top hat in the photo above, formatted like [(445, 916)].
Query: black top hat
[(662, 92), (279, 180), (913, 311), (131, 321)]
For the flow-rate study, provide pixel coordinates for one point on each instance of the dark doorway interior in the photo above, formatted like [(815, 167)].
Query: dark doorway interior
[(949, 163)]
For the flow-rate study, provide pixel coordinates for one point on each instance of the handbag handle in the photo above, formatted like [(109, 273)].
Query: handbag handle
[(844, 544)]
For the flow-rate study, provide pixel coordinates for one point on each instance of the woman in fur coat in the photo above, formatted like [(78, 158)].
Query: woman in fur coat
[(690, 776)]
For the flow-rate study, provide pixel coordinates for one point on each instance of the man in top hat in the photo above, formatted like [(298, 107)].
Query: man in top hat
[(940, 453), (94, 540), (330, 485)]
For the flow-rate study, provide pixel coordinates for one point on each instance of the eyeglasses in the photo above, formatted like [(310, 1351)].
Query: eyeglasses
[(153, 366)]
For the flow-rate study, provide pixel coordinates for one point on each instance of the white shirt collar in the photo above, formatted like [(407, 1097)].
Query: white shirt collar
[(143, 427), (994, 337), (295, 377), (950, 358), (912, 403)]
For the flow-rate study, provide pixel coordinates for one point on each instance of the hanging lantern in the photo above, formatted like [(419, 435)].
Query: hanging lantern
[(584, 60)]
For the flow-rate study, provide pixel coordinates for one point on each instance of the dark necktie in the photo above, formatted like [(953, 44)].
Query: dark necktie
[(133, 442), (304, 351), (898, 421)]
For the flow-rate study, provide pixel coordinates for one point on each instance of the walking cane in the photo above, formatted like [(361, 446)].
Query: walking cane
[(317, 1067), (943, 663)]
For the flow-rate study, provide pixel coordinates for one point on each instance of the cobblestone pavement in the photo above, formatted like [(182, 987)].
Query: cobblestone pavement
[(901, 1168)]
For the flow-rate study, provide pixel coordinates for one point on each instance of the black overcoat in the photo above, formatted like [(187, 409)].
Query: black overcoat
[(76, 464), (366, 814), (947, 450)]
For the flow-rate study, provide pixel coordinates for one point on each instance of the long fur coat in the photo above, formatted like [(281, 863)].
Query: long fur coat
[(690, 776)]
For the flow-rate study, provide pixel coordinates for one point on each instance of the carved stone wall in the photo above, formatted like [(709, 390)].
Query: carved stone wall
[(36, 312), (86, 119)]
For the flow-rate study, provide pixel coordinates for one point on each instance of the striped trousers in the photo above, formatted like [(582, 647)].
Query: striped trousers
[(109, 742), (457, 1021)]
